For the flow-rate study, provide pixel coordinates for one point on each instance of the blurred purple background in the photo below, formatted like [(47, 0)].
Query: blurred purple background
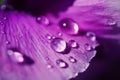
[(105, 65)]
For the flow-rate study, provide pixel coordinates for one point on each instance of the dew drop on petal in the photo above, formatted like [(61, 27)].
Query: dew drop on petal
[(91, 36), (15, 56), (49, 37), (73, 44), (61, 63), (72, 59), (49, 66), (88, 47), (69, 26), (58, 45), (111, 22), (18, 57), (43, 20), (59, 34)]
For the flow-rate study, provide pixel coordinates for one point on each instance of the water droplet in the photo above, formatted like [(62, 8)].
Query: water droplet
[(4, 18), (88, 47), (73, 44), (7, 42), (91, 36), (15, 56), (43, 20), (49, 37), (61, 63), (58, 45), (49, 66), (72, 59), (69, 26), (111, 22), (59, 34)]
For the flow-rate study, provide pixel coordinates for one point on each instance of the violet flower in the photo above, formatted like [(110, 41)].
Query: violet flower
[(50, 47)]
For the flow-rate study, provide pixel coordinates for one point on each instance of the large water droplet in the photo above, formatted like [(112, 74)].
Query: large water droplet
[(18, 57), (91, 36), (69, 26), (72, 59), (58, 45), (73, 44), (15, 56), (43, 20), (61, 63)]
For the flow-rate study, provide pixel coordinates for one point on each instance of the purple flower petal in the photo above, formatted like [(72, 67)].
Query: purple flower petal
[(22, 35)]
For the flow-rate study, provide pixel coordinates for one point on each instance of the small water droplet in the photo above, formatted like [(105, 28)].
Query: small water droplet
[(59, 34), (49, 37), (43, 20), (7, 42), (88, 47), (4, 18), (91, 36), (49, 66), (72, 59), (111, 22), (6, 7), (61, 63), (58, 45), (73, 44), (15, 56), (69, 26)]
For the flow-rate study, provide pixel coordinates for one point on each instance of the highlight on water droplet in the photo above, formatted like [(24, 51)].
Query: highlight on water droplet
[(58, 45), (43, 20), (73, 44), (91, 36), (69, 26), (61, 63)]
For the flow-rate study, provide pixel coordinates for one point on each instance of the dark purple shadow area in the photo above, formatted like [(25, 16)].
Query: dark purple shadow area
[(40, 7)]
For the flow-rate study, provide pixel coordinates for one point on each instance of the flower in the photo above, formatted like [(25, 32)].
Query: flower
[(50, 47)]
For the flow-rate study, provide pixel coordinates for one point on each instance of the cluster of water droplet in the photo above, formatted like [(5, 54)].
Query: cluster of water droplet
[(61, 46)]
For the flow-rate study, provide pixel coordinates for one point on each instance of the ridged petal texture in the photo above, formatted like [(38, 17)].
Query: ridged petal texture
[(49, 47)]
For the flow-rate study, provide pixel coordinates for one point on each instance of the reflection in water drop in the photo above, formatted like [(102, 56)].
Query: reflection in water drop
[(43, 20), (58, 45), (69, 26), (61, 63)]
